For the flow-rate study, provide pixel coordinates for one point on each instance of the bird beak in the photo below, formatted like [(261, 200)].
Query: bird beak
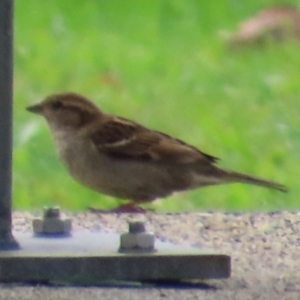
[(36, 109)]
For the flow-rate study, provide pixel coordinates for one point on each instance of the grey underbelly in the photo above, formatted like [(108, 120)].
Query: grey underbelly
[(123, 179)]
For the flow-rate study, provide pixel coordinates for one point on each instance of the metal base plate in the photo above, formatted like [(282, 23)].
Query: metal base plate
[(93, 258)]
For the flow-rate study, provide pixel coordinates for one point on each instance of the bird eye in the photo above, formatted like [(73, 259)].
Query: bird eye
[(57, 105)]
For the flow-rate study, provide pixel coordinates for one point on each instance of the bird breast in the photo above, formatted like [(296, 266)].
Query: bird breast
[(120, 178)]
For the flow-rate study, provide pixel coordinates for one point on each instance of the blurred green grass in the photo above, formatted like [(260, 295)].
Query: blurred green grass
[(161, 63)]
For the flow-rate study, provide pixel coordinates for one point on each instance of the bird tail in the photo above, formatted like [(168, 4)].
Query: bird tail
[(239, 177)]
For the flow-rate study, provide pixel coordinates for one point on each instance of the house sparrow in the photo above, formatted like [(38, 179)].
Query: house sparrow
[(124, 159)]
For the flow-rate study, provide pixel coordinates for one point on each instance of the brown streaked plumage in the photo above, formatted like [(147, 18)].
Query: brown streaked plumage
[(121, 158)]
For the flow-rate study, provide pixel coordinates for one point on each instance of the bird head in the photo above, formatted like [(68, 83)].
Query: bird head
[(66, 111)]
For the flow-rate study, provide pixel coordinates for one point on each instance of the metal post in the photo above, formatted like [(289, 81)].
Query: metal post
[(6, 84)]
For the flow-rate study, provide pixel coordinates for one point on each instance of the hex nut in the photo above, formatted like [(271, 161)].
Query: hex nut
[(137, 239), (52, 223), (52, 226)]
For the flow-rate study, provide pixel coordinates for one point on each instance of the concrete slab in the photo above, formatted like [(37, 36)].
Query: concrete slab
[(93, 258)]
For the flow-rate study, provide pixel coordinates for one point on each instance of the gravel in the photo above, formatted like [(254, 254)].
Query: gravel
[(264, 248)]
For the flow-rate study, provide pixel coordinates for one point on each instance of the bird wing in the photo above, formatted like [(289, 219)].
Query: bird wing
[(125, 139)]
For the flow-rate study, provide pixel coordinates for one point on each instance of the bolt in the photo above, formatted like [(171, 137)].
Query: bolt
[(52, 223), (51, 212), (137, 239), (136, 226)]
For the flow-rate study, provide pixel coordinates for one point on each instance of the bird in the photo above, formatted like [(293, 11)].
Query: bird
[(121, 158)]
